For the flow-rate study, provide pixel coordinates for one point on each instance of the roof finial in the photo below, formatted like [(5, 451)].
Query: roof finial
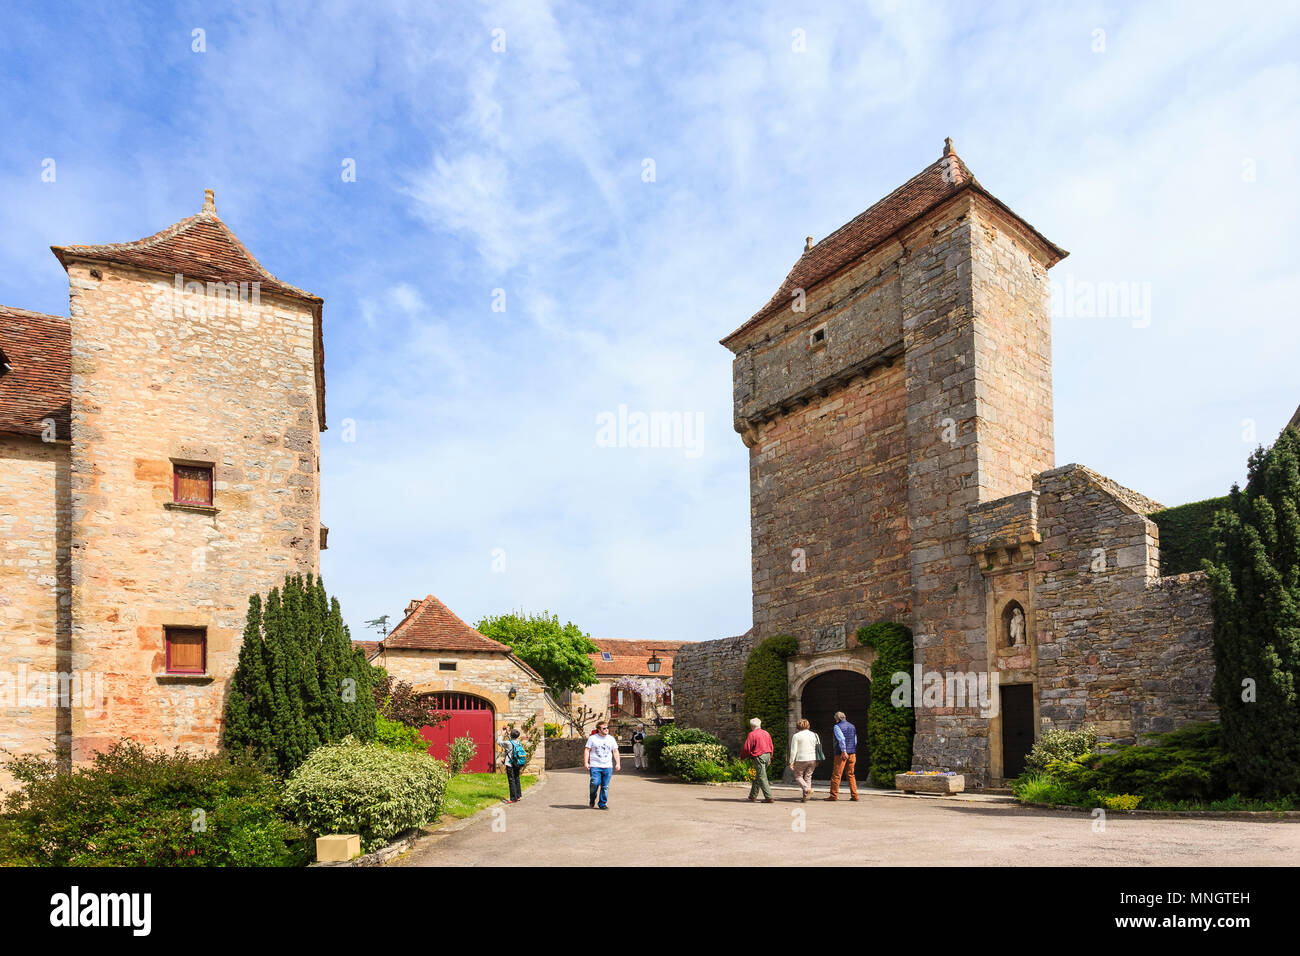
[(209, 201), (947, 146), (808, 244)]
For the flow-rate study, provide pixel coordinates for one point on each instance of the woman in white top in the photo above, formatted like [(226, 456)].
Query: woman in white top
[(803, 757)]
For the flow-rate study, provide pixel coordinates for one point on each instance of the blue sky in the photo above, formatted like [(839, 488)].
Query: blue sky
[(1159, 151)]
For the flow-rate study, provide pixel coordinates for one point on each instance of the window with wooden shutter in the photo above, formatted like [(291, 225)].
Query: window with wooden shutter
[(615, 698), (192, 484), (187, 650), (636, 704)]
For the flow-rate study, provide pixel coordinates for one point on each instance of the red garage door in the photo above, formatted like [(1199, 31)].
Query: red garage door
[(467, 716)]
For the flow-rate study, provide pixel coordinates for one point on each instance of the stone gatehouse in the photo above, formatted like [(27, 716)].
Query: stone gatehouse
[(895, 395)]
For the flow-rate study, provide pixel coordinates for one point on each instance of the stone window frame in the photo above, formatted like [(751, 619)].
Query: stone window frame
[(818, 336), (197, 507)]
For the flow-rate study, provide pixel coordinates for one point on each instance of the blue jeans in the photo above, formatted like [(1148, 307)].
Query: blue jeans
[(600, 778)]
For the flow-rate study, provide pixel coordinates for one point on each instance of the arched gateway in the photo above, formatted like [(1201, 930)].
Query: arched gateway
[(824, 694)]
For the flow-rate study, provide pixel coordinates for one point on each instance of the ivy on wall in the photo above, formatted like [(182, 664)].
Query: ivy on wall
[(767, 690), (889, 727)]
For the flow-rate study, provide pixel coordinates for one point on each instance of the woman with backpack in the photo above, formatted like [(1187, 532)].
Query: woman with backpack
[(516, 758)]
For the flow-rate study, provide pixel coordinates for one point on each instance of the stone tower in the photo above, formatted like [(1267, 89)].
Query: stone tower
[(197, 399), (900, 376)]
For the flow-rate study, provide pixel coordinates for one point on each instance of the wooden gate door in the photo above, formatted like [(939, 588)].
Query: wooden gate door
[(467, 716), (1017, 727)]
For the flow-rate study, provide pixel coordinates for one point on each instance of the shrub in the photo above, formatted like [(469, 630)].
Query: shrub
[(399, 736), (1255, 598), (1185, 534), (695, 761), (767, 690), (1060, 745), (1044, 789), (1183, 764), (552, 731), (350, 787), (890, 723), (134, 806), (460, 753), (397, 700), (673, 736), (1121, 801), (300, 682)]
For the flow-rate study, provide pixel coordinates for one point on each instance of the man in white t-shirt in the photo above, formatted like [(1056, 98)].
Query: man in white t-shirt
[(600, 757)]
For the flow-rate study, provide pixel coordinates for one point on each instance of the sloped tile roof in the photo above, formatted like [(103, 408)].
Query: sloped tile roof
[(431, 626), (631, 657), (203, 248), (371, 648), (38, 385), (939, 182)]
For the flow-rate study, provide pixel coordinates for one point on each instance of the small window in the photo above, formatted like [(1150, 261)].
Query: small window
[(606, 656), (446, 665), (817, 337), (187, 650), (192, 485)]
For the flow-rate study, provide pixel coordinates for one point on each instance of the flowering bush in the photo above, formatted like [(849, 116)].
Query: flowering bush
[(695, 761), (1059, 745), (366, 789)]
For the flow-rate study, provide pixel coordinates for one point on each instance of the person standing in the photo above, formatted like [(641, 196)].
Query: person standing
[(638, 749), (846, 756), (758, 747), (803, 757), (601, 759), (515, 761)]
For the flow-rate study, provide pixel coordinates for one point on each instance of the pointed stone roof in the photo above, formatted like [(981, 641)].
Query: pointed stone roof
[(202, 248), (941, 181), (35, 373), (431, 626)]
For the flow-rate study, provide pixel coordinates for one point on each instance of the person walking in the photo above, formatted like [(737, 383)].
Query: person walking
[(758, 747), (846, 756), (601, 759), (638, 749), (804, 755), (515, 761)]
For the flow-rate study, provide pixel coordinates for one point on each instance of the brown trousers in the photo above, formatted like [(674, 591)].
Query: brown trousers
[(803, 773), (844, 763)]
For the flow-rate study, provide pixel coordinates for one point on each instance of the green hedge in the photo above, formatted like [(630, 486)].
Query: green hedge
[(694, 761), (767, 691), (366, 789), (889, 727), (1185, 534), (672, 736), (134, 806)]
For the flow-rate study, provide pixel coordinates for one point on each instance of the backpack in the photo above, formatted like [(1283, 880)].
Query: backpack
[(518, 753)]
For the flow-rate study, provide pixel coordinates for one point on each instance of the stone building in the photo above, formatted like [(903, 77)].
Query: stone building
[(483, 687), (895, 395), (615, 659), (159, 463)]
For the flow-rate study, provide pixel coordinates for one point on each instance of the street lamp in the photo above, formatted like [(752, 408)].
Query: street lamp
[(654, 663)]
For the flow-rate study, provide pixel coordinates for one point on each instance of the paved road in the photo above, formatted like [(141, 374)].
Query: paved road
[(653, 821)]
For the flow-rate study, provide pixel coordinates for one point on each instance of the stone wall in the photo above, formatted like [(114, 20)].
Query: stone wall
[(160, 377), (486, 675), (564, 752), (35, 628), (708, 686), (1119, 647)]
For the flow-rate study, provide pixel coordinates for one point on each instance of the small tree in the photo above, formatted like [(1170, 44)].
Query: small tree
[(1255, 597), (398, 701), (299, 682), (558, 653)]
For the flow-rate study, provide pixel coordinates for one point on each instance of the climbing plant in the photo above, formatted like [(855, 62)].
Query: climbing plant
[(891, 721), (767, 690)]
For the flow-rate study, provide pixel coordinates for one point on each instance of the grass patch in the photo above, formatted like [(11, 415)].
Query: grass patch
[(468, 793)]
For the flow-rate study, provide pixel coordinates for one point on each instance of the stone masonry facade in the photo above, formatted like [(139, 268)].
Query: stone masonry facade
[(896, 399), (168, 365)]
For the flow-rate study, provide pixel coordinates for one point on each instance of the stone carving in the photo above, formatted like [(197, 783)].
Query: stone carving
[(829, 639), (1017, 627)]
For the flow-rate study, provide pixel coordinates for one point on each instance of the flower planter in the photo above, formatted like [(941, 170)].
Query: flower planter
[(930, 782)]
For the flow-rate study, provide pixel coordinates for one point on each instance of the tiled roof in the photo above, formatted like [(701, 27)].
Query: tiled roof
[(431, 626), (37, 347), (631, 657), (936, 184), (372, 648), (202, 248)]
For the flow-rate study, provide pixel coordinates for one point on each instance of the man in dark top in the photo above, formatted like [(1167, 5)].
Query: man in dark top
[(846, 756)]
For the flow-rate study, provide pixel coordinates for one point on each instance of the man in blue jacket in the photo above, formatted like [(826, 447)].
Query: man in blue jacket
[(846, 756)]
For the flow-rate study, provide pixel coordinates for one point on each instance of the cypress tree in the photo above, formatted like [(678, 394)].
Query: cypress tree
[(287, 694), (1255, 596)]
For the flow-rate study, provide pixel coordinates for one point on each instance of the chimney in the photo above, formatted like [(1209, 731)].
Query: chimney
[(209, 201), (808, 244), (412, 606)]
